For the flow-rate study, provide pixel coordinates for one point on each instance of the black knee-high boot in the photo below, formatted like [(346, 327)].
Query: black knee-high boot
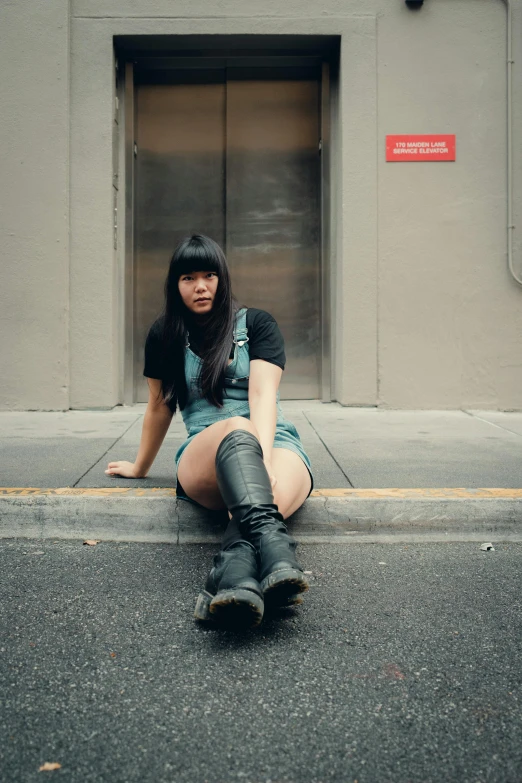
[(232, 596), (245, 487)]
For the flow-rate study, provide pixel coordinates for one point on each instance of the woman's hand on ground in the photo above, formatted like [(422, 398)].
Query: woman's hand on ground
[(122, 468), (268, 466)]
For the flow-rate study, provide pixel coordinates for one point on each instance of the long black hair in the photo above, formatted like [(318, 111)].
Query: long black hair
[(198, 253)]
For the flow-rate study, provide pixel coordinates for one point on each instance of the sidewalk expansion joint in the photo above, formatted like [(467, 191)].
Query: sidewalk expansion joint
[(107, 451), (493, 424), (327, 449)]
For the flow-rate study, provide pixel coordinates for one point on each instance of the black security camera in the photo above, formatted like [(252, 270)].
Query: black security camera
[(414, 4)]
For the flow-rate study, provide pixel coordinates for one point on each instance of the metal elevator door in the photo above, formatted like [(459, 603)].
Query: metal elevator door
[(234, 153)]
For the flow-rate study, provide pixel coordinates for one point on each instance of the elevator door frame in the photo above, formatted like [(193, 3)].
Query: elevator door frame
[(127, 153)]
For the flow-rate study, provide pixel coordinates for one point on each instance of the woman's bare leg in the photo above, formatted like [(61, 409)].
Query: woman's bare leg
[(197, 470), (197, 466), (277, 575), (232, 596), (293, 481)]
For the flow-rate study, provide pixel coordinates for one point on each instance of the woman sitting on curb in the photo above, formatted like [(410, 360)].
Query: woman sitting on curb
[(222, 365)]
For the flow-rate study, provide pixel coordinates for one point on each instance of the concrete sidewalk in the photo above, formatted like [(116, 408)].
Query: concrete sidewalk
[(349, 447), (361, 458)]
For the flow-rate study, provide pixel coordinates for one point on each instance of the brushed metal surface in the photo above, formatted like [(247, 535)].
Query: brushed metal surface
[(234, 153), (273, 212), (180, 168)]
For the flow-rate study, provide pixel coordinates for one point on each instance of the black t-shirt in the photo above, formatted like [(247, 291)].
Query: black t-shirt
[(265, 341)]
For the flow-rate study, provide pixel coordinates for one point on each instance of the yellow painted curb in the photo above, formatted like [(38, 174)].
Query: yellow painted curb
[(449, 493), (97, 492), (458, 492)]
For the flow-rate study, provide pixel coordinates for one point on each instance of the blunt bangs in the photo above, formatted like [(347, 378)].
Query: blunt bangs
[(198, 254)]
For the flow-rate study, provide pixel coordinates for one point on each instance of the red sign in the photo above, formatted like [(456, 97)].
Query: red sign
[(420, 148)]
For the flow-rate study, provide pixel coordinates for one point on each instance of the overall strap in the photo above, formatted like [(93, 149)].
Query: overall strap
[(240, 332)]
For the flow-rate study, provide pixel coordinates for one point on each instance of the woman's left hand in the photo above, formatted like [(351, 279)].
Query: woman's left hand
[(268, 466)]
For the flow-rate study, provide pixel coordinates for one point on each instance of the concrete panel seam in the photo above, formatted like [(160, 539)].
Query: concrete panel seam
[(493, 424), (327, 449), (107, 450)]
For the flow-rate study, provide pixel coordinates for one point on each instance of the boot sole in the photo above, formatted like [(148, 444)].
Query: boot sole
[(233, 609), (283, 588)]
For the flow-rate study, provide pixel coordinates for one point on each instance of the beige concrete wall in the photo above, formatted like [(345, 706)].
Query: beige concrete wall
[(450, 316), (94, 337), (426, 312), (34, 252), (230, 10)]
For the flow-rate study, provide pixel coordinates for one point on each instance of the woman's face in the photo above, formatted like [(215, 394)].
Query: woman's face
[(198, 291)]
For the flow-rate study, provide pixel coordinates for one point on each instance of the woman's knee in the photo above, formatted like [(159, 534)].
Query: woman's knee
[(239, 423)]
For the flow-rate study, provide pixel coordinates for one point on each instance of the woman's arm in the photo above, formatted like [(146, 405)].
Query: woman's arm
[(156, 422), (262, 389)]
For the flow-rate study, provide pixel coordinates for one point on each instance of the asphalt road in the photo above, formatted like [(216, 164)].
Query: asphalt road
[(403, 665)]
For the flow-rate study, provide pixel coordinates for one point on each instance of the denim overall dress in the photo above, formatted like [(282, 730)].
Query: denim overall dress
[(198, 413)]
